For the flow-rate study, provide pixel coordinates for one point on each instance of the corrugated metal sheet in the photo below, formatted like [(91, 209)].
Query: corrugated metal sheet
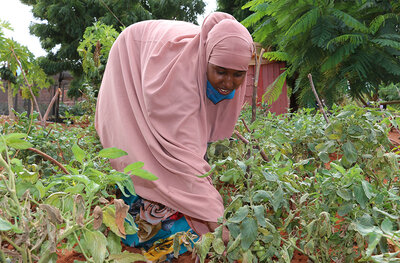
[(268, 73)]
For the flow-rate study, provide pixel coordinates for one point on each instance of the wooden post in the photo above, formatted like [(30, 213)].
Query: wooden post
[(316, 96), (256, 77)]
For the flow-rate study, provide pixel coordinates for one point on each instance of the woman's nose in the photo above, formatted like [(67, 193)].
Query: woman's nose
[(228, 82)]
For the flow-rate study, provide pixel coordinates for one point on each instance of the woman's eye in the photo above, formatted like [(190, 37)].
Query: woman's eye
[(221, 72), (238, 75)]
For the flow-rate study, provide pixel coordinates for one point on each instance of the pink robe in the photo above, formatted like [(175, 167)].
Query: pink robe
[(152, 104)]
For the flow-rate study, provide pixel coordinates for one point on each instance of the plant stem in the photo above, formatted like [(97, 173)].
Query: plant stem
[(80, 246), (18, 248), (297, 248)]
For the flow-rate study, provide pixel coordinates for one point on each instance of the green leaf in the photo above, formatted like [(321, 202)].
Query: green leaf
[(13, 136), (144, 174), (248, 231), (203, 246), (127, 257), (259, 214), (394, 217), (277, 199), (19, 144), (79, 154), (367, 189), (112, 153), (240, 214), (218, 246), (339, 168), (324, 157), (344, 193), (114, 243), (360, 196), (345, 209), (350, 152), (5, 225), (133, 166), (387, 226), (261, 195), (373, 241), (96, 243)]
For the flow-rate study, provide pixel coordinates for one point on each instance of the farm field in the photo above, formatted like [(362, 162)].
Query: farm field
[(295, 189)]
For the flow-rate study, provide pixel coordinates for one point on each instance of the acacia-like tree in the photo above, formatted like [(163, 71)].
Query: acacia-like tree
[(348, 46)]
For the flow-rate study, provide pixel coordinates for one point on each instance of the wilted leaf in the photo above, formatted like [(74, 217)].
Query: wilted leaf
[(112, 153), (109, 221), (98, 217), (53, 213), (79, 206), (121, 209)]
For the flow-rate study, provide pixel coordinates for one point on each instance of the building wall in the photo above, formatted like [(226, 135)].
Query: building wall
[(43, 99), (268, 73)]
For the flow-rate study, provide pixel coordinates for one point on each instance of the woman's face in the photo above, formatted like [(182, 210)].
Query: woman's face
[(224, 80)]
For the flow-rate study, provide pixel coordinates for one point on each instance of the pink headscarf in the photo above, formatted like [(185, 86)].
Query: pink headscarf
[(152, 104)]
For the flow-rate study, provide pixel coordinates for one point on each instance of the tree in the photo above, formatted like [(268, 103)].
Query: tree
[(348, 46), (64, 23), (15, 58), (234, 7)]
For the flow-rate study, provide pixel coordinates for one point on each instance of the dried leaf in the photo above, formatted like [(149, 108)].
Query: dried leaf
[(79, 207), (98, 217), (109, 221), (121, 209), (53, 213), (102, 200)]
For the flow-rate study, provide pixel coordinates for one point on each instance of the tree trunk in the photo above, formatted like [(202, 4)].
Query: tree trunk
[(10, 101)]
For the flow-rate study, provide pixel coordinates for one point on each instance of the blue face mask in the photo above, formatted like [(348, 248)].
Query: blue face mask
[(215, 96)]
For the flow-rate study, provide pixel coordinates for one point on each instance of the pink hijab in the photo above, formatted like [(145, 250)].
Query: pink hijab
[(152, 104)]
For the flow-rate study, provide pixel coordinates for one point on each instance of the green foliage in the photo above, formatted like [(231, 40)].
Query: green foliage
[(94, 49), (51, 206), (329, 191), (66, 22), (348, 47), (234, 7)]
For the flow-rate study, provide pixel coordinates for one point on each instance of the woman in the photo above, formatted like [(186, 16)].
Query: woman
[(169, 88)]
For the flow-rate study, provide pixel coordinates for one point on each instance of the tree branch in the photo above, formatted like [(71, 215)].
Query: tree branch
[(245, 141), (51, 159)]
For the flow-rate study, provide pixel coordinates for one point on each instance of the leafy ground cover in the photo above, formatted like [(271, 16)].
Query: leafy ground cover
[(295, 184), (295, 189)]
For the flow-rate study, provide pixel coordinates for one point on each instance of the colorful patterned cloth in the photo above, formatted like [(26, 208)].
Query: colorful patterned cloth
[(157, 226)]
